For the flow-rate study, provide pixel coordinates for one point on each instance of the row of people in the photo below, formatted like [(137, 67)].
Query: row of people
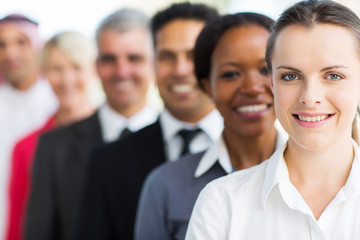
[(95, 194), (67, 61), (125, 65)]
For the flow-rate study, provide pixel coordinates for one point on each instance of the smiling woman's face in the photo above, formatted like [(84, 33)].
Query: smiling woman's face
[(239, 83), (68, 80), (316, 84)]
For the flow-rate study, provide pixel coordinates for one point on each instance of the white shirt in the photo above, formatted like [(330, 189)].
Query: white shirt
[(218, 152), (21, 112), (113, 123), (211, 126), (262, 203)]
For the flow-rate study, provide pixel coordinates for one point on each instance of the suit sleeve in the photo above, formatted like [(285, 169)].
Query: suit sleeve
[(92, 220), (40, 218), (151, 214)]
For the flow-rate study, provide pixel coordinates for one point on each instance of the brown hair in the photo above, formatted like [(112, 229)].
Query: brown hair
[(307, 14)]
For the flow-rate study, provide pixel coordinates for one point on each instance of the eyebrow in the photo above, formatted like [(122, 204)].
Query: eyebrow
[(289, 68), (230, 64), (322, 70), (331, 67), (236, 64)]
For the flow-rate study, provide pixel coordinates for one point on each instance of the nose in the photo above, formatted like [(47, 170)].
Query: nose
[(253, 83), (122, 69), (311, 93), (68, 75), (10, 51), (184, 66)]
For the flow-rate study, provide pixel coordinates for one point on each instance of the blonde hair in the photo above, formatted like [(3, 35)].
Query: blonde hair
[(80, 50)]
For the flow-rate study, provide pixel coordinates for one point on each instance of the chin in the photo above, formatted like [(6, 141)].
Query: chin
[(312, 144)]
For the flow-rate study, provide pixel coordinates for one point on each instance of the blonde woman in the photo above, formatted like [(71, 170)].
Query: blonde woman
[(68, 63)]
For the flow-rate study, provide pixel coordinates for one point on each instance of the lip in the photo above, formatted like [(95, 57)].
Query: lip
[(317, 123), (256, 110), (123, 86)]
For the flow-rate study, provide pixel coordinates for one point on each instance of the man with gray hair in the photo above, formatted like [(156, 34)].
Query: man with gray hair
[(125, 67)]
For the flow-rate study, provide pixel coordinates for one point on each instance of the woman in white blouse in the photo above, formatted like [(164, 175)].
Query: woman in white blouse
[(309, 188)]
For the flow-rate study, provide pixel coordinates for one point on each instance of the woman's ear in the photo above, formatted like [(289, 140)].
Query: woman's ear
[(205, 84)]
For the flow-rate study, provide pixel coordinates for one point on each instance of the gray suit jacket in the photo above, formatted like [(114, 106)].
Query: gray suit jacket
[(168, 197), (58, 173)]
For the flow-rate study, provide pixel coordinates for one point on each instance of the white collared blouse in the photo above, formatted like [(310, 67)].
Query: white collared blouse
[(262, 203)]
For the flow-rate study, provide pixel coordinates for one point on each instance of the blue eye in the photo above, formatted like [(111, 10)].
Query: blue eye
[(334, 76), (289, 77)]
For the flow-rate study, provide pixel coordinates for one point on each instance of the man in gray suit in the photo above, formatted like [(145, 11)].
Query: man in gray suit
[(125, 66)]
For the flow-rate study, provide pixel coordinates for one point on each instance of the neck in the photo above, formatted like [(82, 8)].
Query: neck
[(193, 117), (128, 111), (66, 115), (327, 165), (24, 84), (319, 174), (245, 152)]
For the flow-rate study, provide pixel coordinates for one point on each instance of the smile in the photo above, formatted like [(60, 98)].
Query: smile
[(313, 119), (123, 85), (182, 88), (254, 108)]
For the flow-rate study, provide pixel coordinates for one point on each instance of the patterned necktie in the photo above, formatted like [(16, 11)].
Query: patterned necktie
[(187, 136), (125, 133)]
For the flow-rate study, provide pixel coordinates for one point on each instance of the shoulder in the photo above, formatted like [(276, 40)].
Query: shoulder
[(147, 133), (86, 125), (179, 170), (2, 89), (241, 182), (141, 139), (175, 178), (28, 141)]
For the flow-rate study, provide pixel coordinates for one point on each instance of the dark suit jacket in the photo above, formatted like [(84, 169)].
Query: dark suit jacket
[(58, 173), (114, 179)]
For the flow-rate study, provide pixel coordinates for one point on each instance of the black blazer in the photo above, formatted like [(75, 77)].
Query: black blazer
[(58, 173), (113, 183)]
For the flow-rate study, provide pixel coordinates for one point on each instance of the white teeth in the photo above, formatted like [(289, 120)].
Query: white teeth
[(313, 119), (183, 88), (123, 85), (252, 108)]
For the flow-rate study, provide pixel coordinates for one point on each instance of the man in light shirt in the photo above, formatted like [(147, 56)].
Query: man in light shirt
[(26, 100), (125, 67)]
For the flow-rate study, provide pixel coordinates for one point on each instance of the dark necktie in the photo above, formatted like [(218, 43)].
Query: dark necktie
[(125, 133), (187, 136)]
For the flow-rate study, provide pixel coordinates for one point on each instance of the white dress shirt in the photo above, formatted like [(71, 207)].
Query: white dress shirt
[(218, 152), (21, 112), (113, 123), (211, 126), (262, 203)]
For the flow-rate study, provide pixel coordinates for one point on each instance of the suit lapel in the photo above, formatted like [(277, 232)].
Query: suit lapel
[(88, 135), (151, 147)]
